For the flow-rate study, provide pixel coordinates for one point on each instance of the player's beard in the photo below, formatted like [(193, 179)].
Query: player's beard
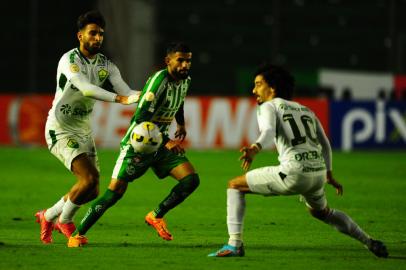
[(181, 75), (92, 49)]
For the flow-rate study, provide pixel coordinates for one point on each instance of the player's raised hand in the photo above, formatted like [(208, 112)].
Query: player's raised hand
[(331, 181), (175, 147), (180, 133)]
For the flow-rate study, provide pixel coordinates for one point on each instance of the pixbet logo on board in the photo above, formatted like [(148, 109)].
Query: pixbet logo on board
[(383, 125)]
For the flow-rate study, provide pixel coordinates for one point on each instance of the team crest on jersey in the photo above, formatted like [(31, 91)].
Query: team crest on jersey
[(103, 74), (73, 144), (74, 68), (130, 169)]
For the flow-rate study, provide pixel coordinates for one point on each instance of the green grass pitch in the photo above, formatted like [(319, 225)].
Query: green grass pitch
[(279, 233)]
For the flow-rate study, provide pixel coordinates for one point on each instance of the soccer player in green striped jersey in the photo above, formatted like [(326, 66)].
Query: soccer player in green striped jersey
[(161, 102)]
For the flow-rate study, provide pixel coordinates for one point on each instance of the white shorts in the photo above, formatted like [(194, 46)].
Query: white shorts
[(67, 146), (270, 181)]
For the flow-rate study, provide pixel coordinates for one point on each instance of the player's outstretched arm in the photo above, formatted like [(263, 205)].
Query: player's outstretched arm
[(127, 99), (121, 87), (95, 92)]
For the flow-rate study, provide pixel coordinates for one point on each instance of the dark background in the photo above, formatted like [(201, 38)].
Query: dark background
[(229, 38)]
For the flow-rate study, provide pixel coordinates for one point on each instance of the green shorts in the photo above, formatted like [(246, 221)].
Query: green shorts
[(131, 165)]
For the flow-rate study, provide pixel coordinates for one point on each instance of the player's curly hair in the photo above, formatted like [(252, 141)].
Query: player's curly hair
[(278, 78), (93, 16)]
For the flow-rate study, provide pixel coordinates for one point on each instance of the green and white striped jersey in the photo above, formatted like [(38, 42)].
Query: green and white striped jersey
[(71, 107), (161, 100)]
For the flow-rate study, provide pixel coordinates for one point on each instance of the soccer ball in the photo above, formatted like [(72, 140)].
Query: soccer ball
[(146, 138)]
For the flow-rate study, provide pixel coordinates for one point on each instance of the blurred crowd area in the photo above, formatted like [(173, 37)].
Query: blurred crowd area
[(323, 43)]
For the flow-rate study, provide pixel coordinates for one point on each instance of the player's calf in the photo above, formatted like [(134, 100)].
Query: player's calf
[(178, 194)]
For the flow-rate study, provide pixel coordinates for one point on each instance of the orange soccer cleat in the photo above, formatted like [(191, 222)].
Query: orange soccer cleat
[(159, 225), (65, 228), (77, 241), (46, 227)]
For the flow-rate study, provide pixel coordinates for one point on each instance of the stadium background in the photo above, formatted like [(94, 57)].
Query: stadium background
[(348, 58), (345, 56)]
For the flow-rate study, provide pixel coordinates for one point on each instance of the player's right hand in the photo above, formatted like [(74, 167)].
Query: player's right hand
[(126, 100), (175, 147)]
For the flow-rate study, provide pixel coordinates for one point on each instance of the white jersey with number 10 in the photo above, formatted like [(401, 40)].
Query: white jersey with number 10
[(295, 131)]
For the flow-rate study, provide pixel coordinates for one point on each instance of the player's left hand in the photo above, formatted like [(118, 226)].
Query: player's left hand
[(180, 133), (175, 147), (331, 181)]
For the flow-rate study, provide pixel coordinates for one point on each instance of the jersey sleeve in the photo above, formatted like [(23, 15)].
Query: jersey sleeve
[(266, 116), (150, 96), (326, 148), (70, 65), (120, 87)]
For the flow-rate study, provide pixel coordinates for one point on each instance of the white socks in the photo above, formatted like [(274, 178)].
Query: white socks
[(235, 216), (343, 223), (68, 211), (52, 213)]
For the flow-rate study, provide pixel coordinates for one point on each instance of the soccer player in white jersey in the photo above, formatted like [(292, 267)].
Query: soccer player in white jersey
[(82, 75), (305, 163)]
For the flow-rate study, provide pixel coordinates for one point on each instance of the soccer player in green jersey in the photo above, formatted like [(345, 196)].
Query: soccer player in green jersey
[(161, 101), (82, 74)]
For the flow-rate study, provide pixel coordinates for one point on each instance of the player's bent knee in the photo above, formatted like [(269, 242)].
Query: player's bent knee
[(191, 182), (237, 183), (118, 186), (231, 184), (95, 192), (320, 214)]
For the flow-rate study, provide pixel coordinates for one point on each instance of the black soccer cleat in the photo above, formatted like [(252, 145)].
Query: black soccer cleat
[(378, 248)]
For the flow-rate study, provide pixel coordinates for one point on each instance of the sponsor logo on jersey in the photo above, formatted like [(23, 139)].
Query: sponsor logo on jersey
[(66, 109), (74, 68), (72, 143), (310, 155), (103, 74)]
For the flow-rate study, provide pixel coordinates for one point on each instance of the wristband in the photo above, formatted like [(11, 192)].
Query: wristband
[(257, 146)]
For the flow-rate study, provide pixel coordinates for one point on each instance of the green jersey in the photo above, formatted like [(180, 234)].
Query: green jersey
[(161, 101)]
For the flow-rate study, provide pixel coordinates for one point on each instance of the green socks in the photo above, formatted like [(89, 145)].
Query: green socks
[(96, 210), (178, 194)]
